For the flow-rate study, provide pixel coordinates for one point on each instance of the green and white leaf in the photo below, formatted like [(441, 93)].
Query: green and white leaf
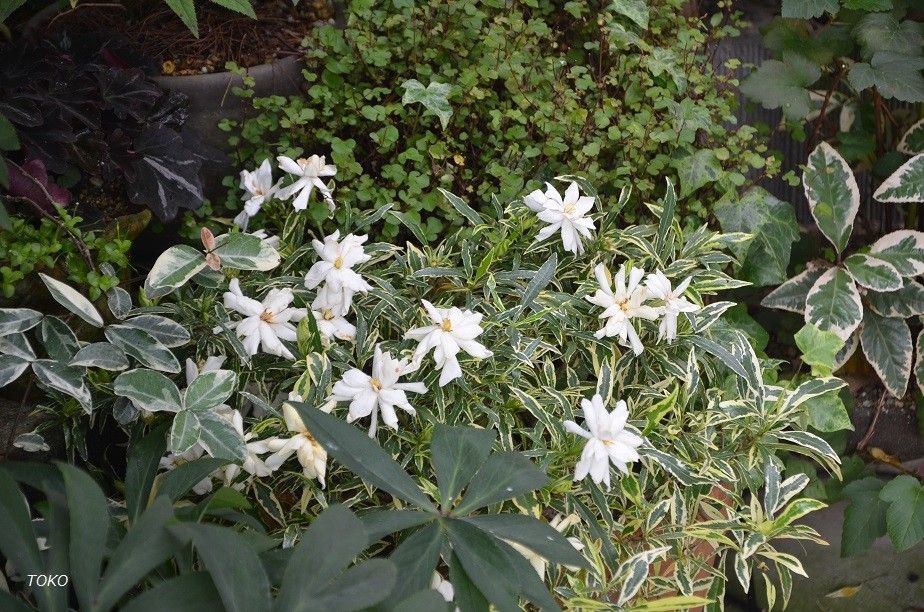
[(119, 301), (886, 343), (65, 379), (905, 184), (903, 303), (100, 355), (169, 333), (697, 170), (433, 97), (60, 342), (173, 269), (18, 320), (17, 345), (144, 347), (904, 249), (462, 207), (810, 389), (636, 10), (792, 294), (873, 273), (219, 438), (850, 347), (148, 389), (912, 141), (11, 368), (833, 303), (246, 252), (635, 571), (73, 300), (919, 362), (832, 193), (184, 432), (209, 389)]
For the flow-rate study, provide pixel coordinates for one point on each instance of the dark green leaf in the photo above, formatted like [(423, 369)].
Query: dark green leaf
[(458, 452), (89, 517), (503, 476)]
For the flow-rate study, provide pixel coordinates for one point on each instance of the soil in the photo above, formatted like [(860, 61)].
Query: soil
[(155, 33), (896, 428)]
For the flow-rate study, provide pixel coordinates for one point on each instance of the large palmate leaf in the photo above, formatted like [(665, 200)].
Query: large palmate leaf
[(905, 302), (893, 74), (873, 273), (73, 300), (903, 249), (433, 97), (809, 9), (165, 173), (905, 516), (833, 303), (886, 343), (773, 227), (832, 193), (912, 141), (783, 84), (883, 31), (905, 184), (864, 517)]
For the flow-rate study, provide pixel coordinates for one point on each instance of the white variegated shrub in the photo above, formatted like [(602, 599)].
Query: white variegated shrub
[(466, 362), (865, 297)]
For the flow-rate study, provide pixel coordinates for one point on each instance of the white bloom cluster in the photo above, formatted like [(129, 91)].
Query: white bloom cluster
[(267, 323), (567, 215), (340, 282), (624, 301), (607, 440), (450, 331), (259, 188)]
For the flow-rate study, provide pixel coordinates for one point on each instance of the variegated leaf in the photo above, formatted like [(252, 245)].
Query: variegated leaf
[(219, 438), (906, 302), (60, 342), (167, 332), (809, 444), (635, 571), (11, 368), (811, 388), (849, 348), (832, 193), (903, 249), (173, 269), (184, 433), (873, 273), (791, 295), (17, 345), (100, 355), (149, 390), (18, 320), (887, 345), (905, 184), (833, 303), (144, 347), (706, 316), (919, 363), (209, 389), (65, 379), (771, 488), (120, 302), (790, 488), (912, 141), (73, 300)]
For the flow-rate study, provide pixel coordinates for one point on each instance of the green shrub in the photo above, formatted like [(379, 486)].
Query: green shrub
[(496, 97)]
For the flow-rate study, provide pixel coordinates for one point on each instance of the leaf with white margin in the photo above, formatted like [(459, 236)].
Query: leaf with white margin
[(246, 252), (64, 378), (832, 193), (904, 249), (60, 342), (849, 348), (219, 438), (144, 347), (11, 368), (873, 273), (120, 302), (919, 363), (809, 389), (173, 269), (31, 442), (17, 345), (209, 389), (912, 141), (833, 303), (185, 431), (635, 570), (168, 332), (148, 389), (18, 320), (887, 345), (905, 184), (73, 300), (905, 302), (792, 294), (809, 444), (100, 355)]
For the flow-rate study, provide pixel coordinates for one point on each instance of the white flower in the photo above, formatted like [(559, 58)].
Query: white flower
[(659, 287), (258, 186), (209, 365), (442, 586), (539, 562), (253, 465), (622, 304), (336, 266), (380, 392), (328, 310), (607, 441), (308, 173), (265, 324), (311, 455), (174, 460), (452, 330), (567, 215)]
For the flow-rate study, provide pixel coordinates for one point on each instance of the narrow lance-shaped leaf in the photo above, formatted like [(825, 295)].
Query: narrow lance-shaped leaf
[(73, 300), (457, 453)]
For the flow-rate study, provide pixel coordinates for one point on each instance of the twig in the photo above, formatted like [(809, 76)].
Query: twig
[(872, 425), (824, 109)]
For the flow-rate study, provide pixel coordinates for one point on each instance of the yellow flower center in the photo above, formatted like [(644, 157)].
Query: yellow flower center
[(569, 209), (266, 316), (302, 162), (624, 305), (328, 314), (338, 263), (446, 325), (376, 384)]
